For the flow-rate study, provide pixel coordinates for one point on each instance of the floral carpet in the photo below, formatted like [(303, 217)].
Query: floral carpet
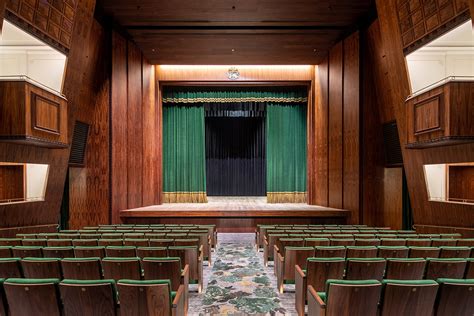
[(239, 284)]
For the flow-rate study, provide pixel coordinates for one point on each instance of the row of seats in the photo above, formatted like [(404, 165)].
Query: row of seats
[(51, 297), (443, 297), (111, 234)]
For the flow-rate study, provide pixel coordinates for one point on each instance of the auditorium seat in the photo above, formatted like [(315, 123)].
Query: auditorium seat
[(330, 251), (419, 242), (90, 236), (32, 297), (10, 268), (47, 235), (424, 252), (34, 242), (120, 251), (111, 236), (343, 297), (81, 268), (190, 256), (408, 297), (317, 272), (470, 269), (161, 242), (392, 252), (41, 268), (313, 242), (393, 242), (456, 297), (27, 251), (110, 242), (88, 297), (438, 242), (136, 242), (10, 241), (121, 268), (451, 268), (149, 298), (287, 261), (367, 242), (59, 242), (143, 252), (187, 242), (268, 246), (405, 268), (465, 242), (5, 251), (365, 268), (89, 251), (342, 242), (455, 252), (361, 252), (58, 252), (84, 242)]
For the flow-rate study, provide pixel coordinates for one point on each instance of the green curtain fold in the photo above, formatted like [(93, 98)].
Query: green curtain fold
[(184, 157), (228, 96), (286, 153)]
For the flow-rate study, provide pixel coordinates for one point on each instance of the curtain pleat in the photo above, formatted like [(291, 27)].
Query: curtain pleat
[(286, 153), (184, 161)]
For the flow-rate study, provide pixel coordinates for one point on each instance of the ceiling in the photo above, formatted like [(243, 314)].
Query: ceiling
[(236, 31)]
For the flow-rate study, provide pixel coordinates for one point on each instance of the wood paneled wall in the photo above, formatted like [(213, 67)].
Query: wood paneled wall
[(337, 128), (395, 88), (135, 130), (12, 182)]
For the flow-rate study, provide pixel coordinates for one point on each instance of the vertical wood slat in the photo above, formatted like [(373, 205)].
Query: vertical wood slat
[(335, 162), (119, 122), (351, 127)]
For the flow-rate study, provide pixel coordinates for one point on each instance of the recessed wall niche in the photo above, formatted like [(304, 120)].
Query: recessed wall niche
[(22, 182)]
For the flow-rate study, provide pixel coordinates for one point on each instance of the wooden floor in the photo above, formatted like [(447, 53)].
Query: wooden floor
[(235, 213)]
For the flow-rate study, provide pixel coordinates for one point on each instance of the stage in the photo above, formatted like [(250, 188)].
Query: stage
[(235, 214)]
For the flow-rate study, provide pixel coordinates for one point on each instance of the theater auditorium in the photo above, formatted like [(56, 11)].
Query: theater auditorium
[(237, 157)]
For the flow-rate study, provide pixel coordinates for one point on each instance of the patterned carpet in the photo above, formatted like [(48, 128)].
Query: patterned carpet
[(238, 283)]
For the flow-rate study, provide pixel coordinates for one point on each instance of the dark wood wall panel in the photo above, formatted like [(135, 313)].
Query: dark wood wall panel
[(89, 188), (119, 180), (150, 136), (396, 87), (134, 129), (322, 116), (461, 183), (12, 182), (351, 126), (335, 162)]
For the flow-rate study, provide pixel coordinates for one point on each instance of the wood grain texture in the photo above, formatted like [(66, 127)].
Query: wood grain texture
[(396, 88), (3, 4), (119, 182), (134, 126), (89, 189), (322, 124), (12, 182), (392, 195), (461, 183), (335, 162), (351, 127)]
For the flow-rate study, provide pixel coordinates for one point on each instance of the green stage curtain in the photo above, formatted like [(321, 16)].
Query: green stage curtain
[(219, 95), (184, 155), (286, 153)]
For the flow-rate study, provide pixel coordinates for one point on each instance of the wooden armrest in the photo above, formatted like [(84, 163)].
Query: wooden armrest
[(300, 271), (179, 296), (185, 271), (275, 247), (265, 242), (313, 294), (281, 258), (316, 306)]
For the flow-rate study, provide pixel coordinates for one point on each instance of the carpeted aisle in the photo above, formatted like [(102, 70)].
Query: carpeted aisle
[(238, 283)]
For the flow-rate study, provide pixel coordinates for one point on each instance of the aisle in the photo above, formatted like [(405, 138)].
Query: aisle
[(238, 283)]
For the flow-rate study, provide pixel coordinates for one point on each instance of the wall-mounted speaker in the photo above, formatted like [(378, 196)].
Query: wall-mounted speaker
[(78, 146), (391, 141)]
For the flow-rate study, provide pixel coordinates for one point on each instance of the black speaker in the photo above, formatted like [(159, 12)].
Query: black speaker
[(79, 142), (391, 141)]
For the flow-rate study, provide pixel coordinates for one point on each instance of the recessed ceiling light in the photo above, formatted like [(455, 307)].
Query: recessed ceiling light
[(233, 50)]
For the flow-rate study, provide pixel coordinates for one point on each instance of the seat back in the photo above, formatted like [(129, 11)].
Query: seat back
[(470, 269), (85, 297), (166, 242), (85, 242), (41, 268), (187, 242), (342, 242), (365, 268), (319, 270), (313, 242), (158, 252), (352, 297), (361, 252), (419, 242), (58, 252), (10, 241), (424, 252), (120, 251), (89, 252), (163, 269), (456, 297), (27, 251), (189, 256), (10, 268), (295, 256), (81, 268), (393, 242), (330, 251), (367, 242), (34, 242), (272, 241), (137, 242), (145, 298), (121, 268), (446, 242), (110, 242), (59, 242), (32, 297), (455, 252), (451, 268), (393, 252), (409, 297), (465, 242), (5, 251), (405, 268)]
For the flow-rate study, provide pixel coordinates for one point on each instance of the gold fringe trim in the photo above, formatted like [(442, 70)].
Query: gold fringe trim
[(286, 197), (184, 197), (233, 100)]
